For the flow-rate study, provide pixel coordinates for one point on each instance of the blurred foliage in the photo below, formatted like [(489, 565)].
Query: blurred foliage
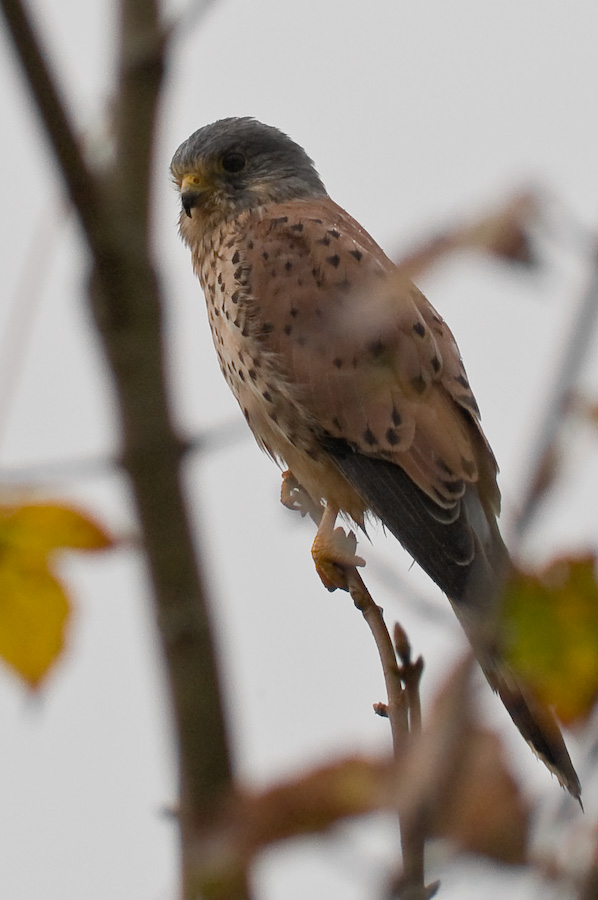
[(34, 606), (482, 782), (550, 621)]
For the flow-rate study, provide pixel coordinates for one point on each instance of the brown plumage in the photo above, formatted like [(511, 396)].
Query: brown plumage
[(349, 377)]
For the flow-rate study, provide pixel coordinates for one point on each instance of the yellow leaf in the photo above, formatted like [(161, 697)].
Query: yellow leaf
[(33, 613), (40, 528), (34, 608), (550, 622)]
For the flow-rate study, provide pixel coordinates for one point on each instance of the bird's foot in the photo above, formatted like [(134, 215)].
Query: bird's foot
[(333, 550), (333, 553), (294, 496)]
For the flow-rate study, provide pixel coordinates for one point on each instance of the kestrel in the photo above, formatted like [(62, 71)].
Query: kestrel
[(350, 379)]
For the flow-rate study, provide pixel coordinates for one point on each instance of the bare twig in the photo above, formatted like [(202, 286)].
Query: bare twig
[(81, 186), (566, 373), (189, 18), (211, 440), (434, 767), (501, 233), (411, 673), (141, 65), (397, 703), (411, 885), (402, 686), (23, 308)]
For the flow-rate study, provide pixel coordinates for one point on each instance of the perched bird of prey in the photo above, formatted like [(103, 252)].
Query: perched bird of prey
[(351, 379)]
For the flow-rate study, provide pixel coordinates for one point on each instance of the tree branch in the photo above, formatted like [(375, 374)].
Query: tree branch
[(141, 67), (396, 708), (403, 710), (114, 213), (566, 374), (33, 57)]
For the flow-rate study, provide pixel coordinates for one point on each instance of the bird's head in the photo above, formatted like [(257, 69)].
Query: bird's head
[(238, 164)]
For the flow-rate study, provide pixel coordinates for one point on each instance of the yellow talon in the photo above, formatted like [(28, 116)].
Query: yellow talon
[(333, 552)]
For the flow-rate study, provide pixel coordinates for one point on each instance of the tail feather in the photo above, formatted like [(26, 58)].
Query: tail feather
[(476, 609), (540, 729), (535, 721)]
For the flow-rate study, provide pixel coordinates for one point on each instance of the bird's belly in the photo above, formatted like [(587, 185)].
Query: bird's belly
[(270, 404), (281, 429)]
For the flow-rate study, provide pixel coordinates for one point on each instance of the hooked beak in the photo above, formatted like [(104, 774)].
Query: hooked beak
[(189, 200), (191, 190)]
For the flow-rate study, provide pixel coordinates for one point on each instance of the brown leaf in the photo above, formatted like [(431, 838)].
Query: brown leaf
[(482, 810), (314, 801), (452, 782), (503, 233), (219, 853)]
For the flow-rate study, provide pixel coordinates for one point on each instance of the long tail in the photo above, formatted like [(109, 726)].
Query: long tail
[(538, 726), (475, 608), (535, 721)]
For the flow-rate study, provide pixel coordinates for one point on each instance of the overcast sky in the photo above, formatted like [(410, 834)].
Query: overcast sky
[(416, 114)]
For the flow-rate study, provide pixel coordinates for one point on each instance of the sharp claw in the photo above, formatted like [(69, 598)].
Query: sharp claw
[(294, 496), (333, 553)]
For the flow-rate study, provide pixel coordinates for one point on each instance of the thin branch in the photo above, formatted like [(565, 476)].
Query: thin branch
[(127, 306), (403, 712), (502, 233), (431, 769), (566, 374), (411, 675), (190, 18), (24, 304), (33, 58), (397, 703), (411, 884), (211, 440), (141, 67)]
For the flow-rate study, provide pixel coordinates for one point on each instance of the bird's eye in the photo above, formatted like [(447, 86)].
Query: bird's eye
[(233, 162)]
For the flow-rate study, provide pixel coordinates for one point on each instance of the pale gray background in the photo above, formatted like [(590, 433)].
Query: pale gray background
[(416, 114)]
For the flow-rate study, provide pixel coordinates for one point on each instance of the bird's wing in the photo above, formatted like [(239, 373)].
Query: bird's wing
[(374, 363)]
